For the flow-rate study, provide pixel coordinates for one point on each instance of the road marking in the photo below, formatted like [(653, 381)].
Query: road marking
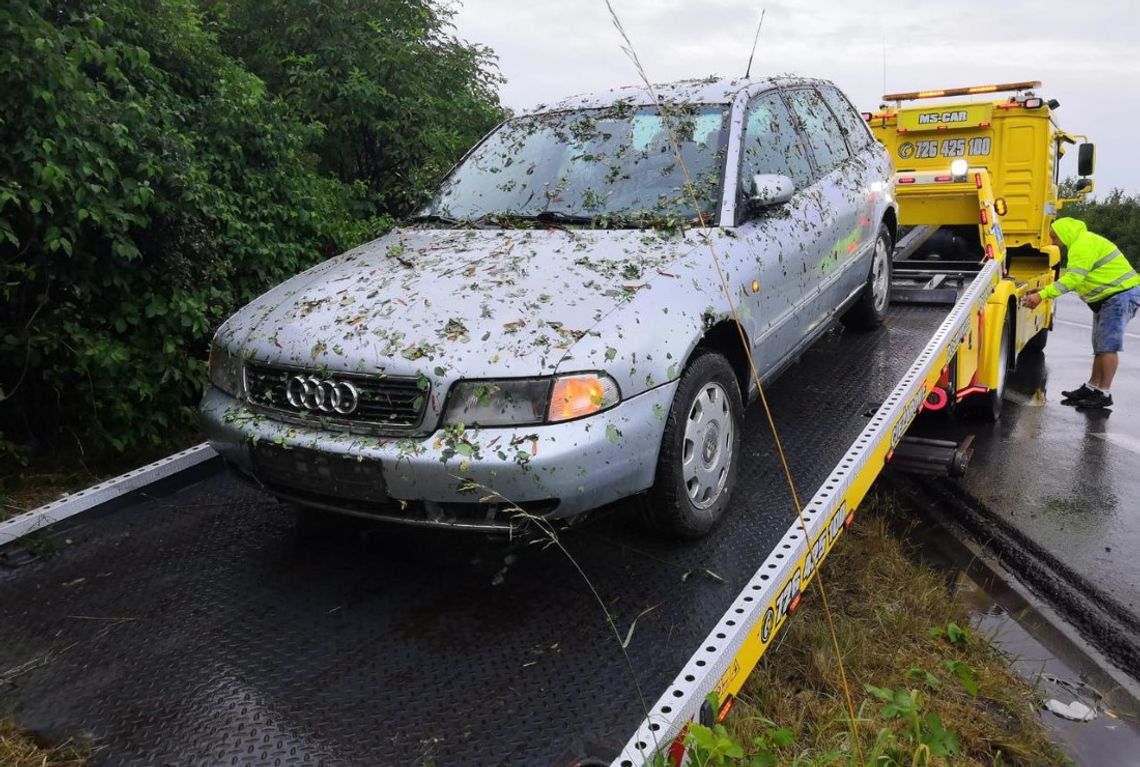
[(1089, 327), (1126, 442)]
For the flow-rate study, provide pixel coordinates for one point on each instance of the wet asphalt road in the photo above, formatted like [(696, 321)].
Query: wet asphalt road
[(1069, 480)]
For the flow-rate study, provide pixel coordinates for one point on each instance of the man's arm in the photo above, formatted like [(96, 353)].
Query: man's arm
[(1070, 279)]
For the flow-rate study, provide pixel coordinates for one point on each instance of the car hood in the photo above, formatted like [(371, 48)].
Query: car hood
[(459, 303)]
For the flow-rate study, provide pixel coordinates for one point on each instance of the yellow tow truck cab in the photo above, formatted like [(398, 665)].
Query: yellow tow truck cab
[(983, 175)]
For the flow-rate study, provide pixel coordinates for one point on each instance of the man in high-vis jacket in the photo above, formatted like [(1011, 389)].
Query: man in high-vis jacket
[(1099, 273)]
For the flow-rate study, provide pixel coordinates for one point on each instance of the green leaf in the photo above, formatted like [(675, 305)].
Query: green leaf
[(782, 738), (882, 693), (965, 675), (937, 738), (613, 434), (927, 678)]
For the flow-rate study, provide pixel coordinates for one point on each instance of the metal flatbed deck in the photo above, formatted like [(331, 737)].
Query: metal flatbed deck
[(207, 628)]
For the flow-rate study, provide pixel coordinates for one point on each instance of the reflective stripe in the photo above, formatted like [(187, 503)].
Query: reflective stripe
[(1119, 280), (1106, 260), (1078, 271), (1061, 287)]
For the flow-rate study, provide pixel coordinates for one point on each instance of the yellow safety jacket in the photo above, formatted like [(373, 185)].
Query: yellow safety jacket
[(1096, 269)]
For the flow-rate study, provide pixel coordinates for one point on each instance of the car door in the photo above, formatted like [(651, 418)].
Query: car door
[(777, 245), (832, 203), (868, 170)]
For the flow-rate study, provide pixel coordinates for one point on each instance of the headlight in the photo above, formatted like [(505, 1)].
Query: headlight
[(226, 370), (529, 401)]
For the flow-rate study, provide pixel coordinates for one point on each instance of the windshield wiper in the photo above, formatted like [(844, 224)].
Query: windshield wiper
[(555, 217), (455, 223), (435, 218), (559, 217)]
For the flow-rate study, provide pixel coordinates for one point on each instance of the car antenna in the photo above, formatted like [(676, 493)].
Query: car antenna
[(755, 40)]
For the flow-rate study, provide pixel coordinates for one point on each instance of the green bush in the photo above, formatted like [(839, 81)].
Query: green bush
[(149, 185), (399, 96), (1116, 217)]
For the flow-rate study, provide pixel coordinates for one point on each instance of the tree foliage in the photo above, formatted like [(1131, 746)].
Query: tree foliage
[(150, 184), (399, 97), (1116, 217)]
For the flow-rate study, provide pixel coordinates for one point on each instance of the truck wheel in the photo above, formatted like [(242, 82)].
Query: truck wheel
[(870, 309), (696, 469), (987, 407), (1037, 343)]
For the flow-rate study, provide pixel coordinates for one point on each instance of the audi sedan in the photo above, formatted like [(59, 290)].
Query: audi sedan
[(570, 320)]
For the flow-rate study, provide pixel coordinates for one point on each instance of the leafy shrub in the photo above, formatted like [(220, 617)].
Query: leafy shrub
[(149, 186), (1116, 217), (400, 98)]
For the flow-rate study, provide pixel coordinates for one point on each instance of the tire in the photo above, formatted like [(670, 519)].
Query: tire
[(700, 450), (946, 244), (1037, 343), (987, 407), (870, 309)]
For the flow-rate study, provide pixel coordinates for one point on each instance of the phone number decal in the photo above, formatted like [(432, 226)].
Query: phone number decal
[(950, 147)]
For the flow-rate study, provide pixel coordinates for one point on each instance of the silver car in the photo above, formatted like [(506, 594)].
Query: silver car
[(573, 319)]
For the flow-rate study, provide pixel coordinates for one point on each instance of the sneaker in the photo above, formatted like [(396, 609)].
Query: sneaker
[(1096, 399), (1082, 391)]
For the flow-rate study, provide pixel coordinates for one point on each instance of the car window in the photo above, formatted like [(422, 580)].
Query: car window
[(616, 162), (854, 126), (820, 128), (771, 144)]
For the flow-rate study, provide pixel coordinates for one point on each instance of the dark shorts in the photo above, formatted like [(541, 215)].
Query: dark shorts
[(1110, 318)]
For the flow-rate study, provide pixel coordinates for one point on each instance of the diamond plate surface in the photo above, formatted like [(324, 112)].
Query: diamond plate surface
[(210, 628)]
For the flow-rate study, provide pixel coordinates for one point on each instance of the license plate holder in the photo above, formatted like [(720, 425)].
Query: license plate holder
[(318, 473)]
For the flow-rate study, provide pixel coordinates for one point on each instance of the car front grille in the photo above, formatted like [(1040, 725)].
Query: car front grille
[(384, 403)]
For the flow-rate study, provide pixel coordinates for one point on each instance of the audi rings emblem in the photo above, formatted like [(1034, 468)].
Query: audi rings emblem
[(312, 393)]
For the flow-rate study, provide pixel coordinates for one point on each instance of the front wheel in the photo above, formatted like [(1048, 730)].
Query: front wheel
[(700, 449), (870, 309), (987, 406)]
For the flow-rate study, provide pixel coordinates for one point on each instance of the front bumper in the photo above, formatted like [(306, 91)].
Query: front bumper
[(561, 468)]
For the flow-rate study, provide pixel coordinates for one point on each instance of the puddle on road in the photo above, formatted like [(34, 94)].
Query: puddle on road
[(1087, 713)]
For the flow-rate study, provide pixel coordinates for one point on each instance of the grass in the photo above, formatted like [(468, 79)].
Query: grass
[(22, 749), (928, 691)]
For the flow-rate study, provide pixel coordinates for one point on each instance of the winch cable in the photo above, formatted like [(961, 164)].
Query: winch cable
[(707, 235)]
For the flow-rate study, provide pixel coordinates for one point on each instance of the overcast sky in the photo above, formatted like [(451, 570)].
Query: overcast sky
[(1085, 53)]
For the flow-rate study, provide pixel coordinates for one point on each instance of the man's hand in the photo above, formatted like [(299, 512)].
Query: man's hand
[(1031, 299)]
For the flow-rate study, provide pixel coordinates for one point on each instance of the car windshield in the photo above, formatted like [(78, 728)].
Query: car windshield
[(614, 165)]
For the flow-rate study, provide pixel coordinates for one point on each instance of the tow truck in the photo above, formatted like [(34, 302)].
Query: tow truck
[(979, 179), (185, 618)]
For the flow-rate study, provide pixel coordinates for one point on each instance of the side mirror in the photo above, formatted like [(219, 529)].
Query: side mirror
[(770, 189), (1083, 184), (1086, 160)]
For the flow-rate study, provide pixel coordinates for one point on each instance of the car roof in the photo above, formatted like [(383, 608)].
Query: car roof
[(709, 90)]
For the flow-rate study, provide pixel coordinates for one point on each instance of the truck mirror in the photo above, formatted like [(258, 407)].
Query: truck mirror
[(1083, 183), (1086, 159)]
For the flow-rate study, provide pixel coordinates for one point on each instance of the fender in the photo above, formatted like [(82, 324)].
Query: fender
[(993, 323)]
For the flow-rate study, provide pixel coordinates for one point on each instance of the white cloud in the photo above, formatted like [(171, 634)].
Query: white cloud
[(1084, 53)]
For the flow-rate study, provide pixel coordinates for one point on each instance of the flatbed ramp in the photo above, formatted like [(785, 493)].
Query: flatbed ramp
[(207, 628)]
